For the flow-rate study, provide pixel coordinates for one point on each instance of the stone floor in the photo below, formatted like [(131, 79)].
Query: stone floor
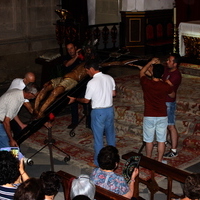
[(42, 160)]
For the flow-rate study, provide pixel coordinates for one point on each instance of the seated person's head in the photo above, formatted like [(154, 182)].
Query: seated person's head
[(81, 197), (83, 186), (108, 158), (192, 186), (51, 183), (9, 168), (31, 189)]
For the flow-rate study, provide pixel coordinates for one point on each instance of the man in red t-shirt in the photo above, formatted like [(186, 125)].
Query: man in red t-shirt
[(173, 77), (155, 111)]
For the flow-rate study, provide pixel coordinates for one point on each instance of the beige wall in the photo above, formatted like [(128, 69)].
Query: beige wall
[(107, 11), (27, 30), (143, 5)]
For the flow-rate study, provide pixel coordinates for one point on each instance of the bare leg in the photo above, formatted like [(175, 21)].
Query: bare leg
[(57, 91), (149, 149), (42, 94), (174, 136), (161, 150)]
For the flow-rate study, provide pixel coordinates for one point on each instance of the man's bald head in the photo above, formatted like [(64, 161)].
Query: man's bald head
[(29, 78)]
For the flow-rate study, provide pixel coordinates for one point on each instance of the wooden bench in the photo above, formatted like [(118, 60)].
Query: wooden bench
[(101, 193), (155, 167)]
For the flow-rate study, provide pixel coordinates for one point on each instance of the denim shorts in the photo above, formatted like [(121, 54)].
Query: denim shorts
[(171, 108), (154, 126)]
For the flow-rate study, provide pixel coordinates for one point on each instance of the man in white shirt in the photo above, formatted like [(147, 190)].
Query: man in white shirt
[(20, 83), (100, 91), (10, 104)]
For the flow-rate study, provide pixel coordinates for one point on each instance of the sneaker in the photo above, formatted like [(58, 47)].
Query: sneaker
[(170, 154), (164, 162)]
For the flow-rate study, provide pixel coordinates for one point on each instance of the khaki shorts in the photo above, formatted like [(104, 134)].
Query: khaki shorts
[(67, 83)]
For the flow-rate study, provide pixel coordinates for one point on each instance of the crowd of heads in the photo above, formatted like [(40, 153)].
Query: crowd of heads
[(82, 188), (33, 188)]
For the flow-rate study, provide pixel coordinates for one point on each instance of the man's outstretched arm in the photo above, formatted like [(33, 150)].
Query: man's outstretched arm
[(148, 65), (81, 100)]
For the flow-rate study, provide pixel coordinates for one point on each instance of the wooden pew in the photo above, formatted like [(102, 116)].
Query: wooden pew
[(101, 193), (155, 167)]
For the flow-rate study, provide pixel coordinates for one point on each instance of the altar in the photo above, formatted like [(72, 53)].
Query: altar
[(189, 39)]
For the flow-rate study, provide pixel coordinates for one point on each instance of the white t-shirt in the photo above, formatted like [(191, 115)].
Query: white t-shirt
[(18, 83), (10, 103), (100, 90)]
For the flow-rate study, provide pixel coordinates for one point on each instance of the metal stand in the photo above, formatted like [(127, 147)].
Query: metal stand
[(72, 133), (50, 143), (87, 116)]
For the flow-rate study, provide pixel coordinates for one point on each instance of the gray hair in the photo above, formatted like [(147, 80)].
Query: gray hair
[(31, 88), (83, 185)]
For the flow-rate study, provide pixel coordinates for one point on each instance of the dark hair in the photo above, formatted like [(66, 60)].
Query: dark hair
[(81, 197), (192, 186), (31, 189), (70, 42), (31, 88), (9, 168), (51, 182), (177, 57), (158, 70), (93, 63), (108, 157)]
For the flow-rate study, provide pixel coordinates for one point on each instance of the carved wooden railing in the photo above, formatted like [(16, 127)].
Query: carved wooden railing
[(157, 168), (107, 34)]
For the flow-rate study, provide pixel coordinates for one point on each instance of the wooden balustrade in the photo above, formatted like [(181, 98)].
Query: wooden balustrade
[(107, 34)]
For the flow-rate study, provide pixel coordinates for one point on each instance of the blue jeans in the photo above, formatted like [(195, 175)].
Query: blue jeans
[(171, 108), (4, 141), (102, 121)]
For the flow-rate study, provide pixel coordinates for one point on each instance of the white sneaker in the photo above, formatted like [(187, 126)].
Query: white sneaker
[(164, 162)]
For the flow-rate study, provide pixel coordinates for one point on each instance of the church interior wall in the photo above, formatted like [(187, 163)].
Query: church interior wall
[(28, 28)]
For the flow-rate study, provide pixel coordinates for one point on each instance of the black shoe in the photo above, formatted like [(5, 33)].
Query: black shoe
[(72, 126), (170, 154)]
